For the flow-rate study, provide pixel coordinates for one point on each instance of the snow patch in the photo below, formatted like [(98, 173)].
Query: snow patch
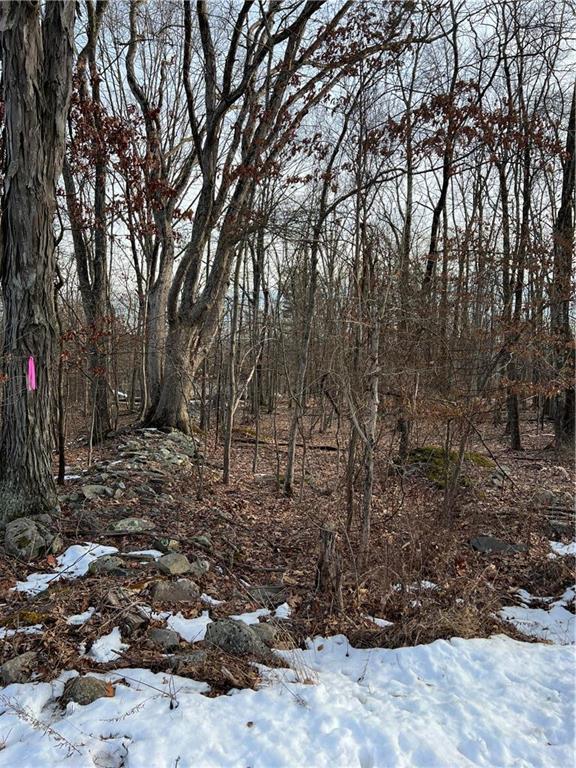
[(108, 647), (563, 550), (252, 617), (32, 629), (70, 565), (380, 622), (283, 611), (191, 630), (210, 600), (80, 618), (556, 624)]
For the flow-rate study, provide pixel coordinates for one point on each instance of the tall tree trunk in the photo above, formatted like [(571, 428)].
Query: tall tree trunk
[(564, 358), (37, 69), (231, 383)]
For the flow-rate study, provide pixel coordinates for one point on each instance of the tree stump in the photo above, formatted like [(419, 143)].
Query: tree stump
[(329, 568)]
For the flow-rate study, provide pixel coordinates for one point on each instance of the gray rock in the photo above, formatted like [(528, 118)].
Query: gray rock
[(565, 499), (186, 662), (166, 639), (28, 538), (167, 545), (94, 491), (132, 525), (145, 490), (132, 621), (236, 637), (174, 564), (19, 669), (500, 475), (544, 498), (85, 690), (181, 591), (490, 544), (199, 567), (110, 564), (266, 632), (268, 595), (203, 541), (562, 527)]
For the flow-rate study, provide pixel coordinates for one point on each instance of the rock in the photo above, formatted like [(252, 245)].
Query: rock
[(266, 632), (562, 527), (490, 544), (174, 564), (565, 499), (110, 564), (500, 475), (19, 669), (167, 545), (203, 541), (181, 591), (186, 662), (144, 490), (166, 639), (199, 567), (236, 637), (132, 619), (57, 545), (544, 498), (92, 492), (141, 557), (85, 690), (564, 472), (28, 538), (268, 595), (132, 525)]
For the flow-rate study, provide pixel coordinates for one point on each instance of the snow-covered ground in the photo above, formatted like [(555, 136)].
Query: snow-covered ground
[(495, 702), (555, 622), (458, 703)]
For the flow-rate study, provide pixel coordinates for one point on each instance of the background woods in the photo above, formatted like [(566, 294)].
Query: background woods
[(309, 226)]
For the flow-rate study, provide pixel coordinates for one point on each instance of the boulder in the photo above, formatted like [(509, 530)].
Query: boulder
[(544, 498), (565, 499), (203, 541), (182, 663), (28, 538), (199, 567), (174, 564), (19, 669), (181, 591), (110, 564), (268, 595), (85, 690), (490, 544), (166, 639), (132, 525), (236, 637), (94, 491), (266, 632)]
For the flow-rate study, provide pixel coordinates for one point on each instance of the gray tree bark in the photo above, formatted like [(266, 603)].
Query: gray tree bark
[(37, 56)]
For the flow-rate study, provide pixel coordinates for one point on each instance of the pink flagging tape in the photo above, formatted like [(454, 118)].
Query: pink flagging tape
[(31, 377)]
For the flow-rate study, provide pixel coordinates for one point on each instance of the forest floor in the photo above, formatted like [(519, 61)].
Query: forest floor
[(254, 556)]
